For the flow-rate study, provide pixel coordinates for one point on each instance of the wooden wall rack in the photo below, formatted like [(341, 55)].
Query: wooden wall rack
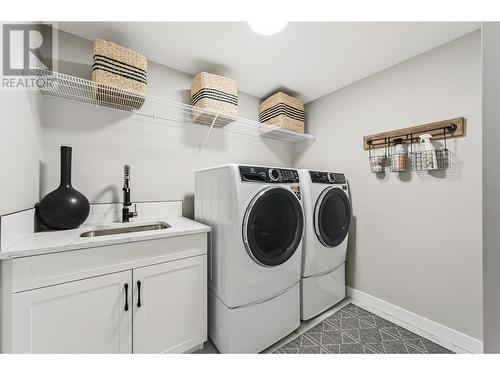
[(454, 127)]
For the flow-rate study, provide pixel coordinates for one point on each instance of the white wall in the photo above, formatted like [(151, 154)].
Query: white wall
[(20, 149), (163, 156), (491, 186), (415, 240)]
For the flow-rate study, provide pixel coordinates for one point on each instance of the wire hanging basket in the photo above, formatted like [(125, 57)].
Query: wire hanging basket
[(398, 157), (377, 162), (424, 161)]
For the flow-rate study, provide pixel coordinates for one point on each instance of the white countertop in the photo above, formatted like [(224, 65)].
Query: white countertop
[(68, 240)]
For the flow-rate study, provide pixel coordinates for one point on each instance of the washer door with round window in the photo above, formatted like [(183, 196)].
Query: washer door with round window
[(332, 217), (272, 226)]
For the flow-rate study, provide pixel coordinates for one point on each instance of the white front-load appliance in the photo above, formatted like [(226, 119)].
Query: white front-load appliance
[(255, 253), (327, 210)]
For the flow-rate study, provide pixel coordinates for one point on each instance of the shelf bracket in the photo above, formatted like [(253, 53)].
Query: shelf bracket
[(208, 134)]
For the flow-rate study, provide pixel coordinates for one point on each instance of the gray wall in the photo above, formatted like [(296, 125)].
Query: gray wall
[(162, 155), (491, 186), (20, 149), (415, 240)]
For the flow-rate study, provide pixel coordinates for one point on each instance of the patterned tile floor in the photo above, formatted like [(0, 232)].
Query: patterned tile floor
[(354, 330)]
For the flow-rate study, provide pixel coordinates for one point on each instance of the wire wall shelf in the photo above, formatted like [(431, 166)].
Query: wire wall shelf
[(75, 89)]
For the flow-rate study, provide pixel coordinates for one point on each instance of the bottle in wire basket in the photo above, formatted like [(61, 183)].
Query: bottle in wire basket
[(398, 158), (429, 159)]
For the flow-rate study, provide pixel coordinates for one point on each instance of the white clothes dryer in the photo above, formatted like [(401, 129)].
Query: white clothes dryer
[(327, 210)]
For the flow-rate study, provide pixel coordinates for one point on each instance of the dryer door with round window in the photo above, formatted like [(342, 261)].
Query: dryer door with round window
[(272, 226), (332, 216)]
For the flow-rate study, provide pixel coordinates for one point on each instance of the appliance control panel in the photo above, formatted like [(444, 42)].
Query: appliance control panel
[(327, 177), (268, 175)]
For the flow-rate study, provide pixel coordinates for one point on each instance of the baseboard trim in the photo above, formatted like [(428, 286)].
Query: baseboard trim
[(444, 336)]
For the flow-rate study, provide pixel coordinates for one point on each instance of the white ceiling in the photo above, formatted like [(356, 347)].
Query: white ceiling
[(305, 59)]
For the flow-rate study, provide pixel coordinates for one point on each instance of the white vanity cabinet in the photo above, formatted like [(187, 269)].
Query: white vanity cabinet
[(141, 297), (170, 312), (85, 316)]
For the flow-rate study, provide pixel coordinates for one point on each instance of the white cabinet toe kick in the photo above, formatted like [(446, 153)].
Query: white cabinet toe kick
[(141, 297)]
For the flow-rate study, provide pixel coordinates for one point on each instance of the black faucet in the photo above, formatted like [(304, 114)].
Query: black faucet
[(126, 214)]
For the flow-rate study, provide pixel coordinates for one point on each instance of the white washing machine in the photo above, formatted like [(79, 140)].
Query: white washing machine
[(255, 253), (327, 210)]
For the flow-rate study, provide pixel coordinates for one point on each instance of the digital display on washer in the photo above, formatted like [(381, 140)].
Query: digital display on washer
[(268, 175), (327, 177)]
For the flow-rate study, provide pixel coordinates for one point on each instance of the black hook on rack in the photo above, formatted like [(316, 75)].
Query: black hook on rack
[(451, 127), (370, 148)]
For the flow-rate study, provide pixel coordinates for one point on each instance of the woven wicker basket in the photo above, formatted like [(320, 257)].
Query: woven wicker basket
[(283, 111), (215, 93), (121, 68)]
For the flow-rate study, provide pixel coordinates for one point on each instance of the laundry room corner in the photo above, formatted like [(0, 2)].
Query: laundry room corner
[(394, 253)]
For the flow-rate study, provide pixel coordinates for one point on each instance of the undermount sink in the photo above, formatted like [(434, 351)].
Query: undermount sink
[(122, 230)]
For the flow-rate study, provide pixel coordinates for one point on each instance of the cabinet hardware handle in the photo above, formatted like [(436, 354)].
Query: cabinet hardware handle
[(126, 296), (138, 294)]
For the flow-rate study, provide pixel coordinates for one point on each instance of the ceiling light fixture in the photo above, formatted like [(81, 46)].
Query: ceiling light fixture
[(267, 27)]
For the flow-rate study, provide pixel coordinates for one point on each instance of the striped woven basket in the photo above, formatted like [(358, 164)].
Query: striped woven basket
[(283, 111), (120, 68), (215, 93)]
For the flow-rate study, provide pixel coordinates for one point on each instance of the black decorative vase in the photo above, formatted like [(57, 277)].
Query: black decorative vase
[(65, 207)]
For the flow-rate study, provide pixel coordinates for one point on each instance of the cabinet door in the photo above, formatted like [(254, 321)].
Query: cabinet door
[(172, 314), (86, 316)]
